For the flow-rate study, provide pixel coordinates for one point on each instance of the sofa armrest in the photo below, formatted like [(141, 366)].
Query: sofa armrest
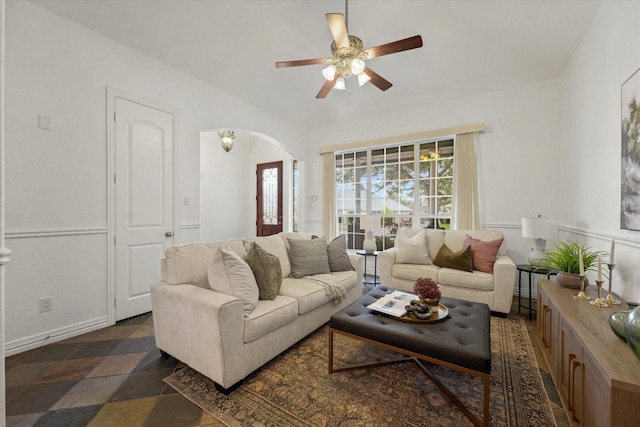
[(386, 260), (202, 328), (504, 280), (357, 261)]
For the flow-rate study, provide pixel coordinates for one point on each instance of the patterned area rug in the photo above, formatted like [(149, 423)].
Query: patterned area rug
[(295, 388)]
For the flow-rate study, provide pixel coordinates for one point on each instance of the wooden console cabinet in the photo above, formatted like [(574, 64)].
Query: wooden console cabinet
[(595, 372)]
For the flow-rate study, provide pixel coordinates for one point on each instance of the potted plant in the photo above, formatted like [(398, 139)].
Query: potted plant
[(427, 290), (565, 258)]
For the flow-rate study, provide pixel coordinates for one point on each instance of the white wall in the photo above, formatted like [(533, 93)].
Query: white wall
[(591, 117), (518, 171), (56, 195), (228, 186), (225, 183)]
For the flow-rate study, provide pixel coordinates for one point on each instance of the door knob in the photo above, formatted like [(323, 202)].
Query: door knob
[(168, 234)]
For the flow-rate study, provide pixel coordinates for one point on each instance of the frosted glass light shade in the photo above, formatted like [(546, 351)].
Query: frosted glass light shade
[(329, 72), (363, 78), (357, 66)]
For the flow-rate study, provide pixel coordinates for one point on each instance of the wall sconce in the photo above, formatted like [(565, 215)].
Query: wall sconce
[(226, 139), (539, 229)]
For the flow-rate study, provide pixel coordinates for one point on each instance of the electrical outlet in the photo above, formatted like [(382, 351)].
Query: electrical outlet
[(46, 304)]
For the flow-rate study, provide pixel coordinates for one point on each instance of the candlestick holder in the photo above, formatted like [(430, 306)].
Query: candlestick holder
[(610, 299), (580, 295), (599, 302)]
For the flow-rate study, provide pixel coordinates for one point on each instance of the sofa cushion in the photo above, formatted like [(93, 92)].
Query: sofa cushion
[(266, 269), (462, 279), (308, 294), (337, 254), (483, 253), (455, 238), (189, 263), (268, 316), (275, 246), (411, 248), (413, 271), (348, 279), (230, 274), (435, 239), (460, 260), (308, 257)]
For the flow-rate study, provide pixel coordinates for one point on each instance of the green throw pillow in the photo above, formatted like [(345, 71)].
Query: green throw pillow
[(266, 269), (308, 257), (459, 260), (337, 253)]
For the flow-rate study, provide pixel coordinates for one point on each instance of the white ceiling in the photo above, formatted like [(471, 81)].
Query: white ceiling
[(470, 47)]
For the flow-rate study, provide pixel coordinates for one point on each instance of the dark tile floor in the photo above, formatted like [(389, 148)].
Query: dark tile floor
[(113, 377)]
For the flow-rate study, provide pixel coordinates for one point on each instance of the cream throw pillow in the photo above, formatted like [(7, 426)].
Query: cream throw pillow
[(412, 249), (229, 274)]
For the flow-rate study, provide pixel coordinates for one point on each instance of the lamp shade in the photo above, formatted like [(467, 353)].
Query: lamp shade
[(368, 222), (540, 228)]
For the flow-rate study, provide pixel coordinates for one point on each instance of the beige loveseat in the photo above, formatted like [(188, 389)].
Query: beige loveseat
[(492, 288), (209, 330)]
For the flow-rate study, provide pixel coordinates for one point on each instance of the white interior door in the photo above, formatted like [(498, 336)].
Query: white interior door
[(143, 202)]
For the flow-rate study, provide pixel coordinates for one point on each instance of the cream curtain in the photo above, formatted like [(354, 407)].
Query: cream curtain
[(329, 196), (465, 208)]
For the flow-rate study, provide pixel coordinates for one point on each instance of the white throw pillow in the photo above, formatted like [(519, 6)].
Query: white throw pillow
[(412, 248), (229, 274)]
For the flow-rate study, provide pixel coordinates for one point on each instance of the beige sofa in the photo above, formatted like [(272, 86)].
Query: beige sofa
[(494, 289), (209, 331)]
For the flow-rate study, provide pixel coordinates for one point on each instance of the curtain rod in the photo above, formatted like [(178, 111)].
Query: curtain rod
[(457, 130)]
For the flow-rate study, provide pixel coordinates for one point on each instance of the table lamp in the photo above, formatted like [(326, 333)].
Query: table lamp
[(539, 229), (368, 224)]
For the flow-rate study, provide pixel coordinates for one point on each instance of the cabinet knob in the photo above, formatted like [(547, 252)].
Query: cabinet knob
[(168, 233)]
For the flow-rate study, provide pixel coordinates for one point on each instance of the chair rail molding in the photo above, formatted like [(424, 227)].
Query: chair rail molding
[(189, 226), (29, 234), (4, 256)]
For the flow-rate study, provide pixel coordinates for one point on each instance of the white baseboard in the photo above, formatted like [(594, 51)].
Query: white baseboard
[(55, 335)]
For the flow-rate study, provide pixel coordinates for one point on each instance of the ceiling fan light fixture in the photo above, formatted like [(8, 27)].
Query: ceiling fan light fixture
[(330, 72), (357, 66), (348, 57), (363, 79)]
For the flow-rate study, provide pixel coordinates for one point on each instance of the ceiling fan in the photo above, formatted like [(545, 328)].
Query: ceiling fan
[(349, 57)]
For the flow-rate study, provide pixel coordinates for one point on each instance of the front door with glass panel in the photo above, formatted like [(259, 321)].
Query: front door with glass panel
[(269, 198)]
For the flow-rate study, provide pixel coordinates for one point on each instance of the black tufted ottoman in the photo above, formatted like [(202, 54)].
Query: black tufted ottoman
[(461, 342)]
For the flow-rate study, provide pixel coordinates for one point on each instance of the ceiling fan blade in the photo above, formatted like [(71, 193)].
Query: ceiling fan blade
[(283, 64), (377, 80), (338, 29), (327, 86), (393, 47)]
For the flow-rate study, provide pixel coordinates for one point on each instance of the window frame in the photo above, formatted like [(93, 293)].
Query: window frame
[(383, 171)]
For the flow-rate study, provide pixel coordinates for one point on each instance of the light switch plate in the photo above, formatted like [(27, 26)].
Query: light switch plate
[(44, 122)]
